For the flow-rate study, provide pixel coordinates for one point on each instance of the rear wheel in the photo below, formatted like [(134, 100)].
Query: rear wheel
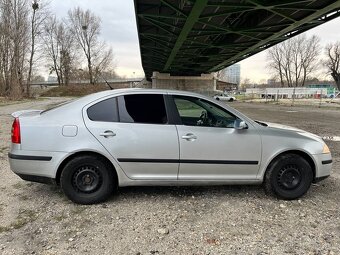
[(231, 100), (217, 98), (288, 177), (87, 180)]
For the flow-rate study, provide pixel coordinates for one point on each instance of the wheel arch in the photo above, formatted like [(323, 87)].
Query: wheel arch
[(83, 153), (300, 153)]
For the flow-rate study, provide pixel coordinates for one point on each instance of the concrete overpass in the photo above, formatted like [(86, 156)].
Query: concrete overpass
[(191, 37)]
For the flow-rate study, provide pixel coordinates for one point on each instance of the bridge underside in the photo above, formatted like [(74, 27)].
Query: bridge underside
[(190, 37)]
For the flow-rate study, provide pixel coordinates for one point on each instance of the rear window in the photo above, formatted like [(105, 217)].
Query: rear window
[(105, 111), (55, 106), (148, 109)]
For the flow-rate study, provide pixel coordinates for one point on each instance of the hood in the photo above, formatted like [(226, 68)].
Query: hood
[(26, 113), (279, 127)]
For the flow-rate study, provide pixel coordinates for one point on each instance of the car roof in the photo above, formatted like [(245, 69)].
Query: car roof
[(141, 90)]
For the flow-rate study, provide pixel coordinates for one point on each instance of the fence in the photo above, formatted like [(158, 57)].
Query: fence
[(290, 96)]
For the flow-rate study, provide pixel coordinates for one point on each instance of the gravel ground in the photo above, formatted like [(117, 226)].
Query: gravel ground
[(38, 219)]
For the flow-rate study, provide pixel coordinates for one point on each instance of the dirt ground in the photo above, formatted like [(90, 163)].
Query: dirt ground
[(38, 219)]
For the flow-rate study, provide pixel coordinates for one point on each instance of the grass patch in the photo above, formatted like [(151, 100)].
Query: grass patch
[(78, 209), (4, 229), (60, 218), (3, 149), (18, 185), (24, 197), (74, 90), (6, 101), (24, 217)]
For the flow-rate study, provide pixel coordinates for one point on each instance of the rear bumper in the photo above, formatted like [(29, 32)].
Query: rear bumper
[(39, 179), (29, 158), (37, 166)]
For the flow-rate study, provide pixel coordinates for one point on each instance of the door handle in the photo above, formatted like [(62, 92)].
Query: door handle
[(108, 134), (189, 137)]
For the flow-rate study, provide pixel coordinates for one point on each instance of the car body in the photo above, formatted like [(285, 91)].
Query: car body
[(158, 137), (223, 96)]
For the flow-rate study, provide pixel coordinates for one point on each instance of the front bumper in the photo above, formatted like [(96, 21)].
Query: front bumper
[(323, 166)]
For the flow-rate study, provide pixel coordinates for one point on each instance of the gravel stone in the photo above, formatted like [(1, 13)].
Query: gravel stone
[(38, 219), (163, 231)]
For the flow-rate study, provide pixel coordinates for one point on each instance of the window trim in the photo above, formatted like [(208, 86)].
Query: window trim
[(177, 116)]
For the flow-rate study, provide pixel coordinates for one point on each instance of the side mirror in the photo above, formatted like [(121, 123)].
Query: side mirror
[(240, 124)]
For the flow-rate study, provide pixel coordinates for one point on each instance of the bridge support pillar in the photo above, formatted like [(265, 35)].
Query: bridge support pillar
[(204, 84)]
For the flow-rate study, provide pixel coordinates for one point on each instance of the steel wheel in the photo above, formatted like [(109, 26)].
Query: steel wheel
[(87, 179), (289, 176)]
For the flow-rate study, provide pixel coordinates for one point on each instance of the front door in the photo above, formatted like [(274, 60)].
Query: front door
[(135, 130), (210, 147)]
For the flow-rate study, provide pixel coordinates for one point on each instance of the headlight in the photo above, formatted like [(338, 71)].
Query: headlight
[(325, 149)]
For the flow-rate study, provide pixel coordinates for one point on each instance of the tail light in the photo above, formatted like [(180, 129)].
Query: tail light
[(16, 138)]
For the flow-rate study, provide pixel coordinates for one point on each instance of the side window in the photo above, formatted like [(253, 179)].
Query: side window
[(105, 111), (198, 112), (143, 108)]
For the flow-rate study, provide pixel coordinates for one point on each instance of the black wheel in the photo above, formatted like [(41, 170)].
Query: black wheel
[(231, 100), (217, 98), (289, 177), (87, 180)]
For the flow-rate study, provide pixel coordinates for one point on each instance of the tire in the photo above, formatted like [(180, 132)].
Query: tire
[(231, 100), (217, 98), (87, 180), (288, 177)]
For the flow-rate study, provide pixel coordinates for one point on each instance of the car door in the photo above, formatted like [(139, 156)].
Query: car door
[(210, 147), (134, 129)]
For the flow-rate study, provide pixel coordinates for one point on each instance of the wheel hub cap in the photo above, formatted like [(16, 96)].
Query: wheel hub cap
[(87, 179), (289, 177)]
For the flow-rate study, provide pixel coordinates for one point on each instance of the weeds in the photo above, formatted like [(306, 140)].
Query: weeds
[(24, 217)]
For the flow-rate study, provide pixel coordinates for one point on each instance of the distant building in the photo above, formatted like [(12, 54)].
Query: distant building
[(331, 89), (232, 74), (225, 86), (287, 93)]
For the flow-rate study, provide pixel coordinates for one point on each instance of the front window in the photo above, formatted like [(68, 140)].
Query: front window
[(199, 112)]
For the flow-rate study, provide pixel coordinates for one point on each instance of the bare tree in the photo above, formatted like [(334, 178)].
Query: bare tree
[(14, 47), (275, 55), (333, 61), (39, 14), (86, 28), (294, 59), (59, 49)]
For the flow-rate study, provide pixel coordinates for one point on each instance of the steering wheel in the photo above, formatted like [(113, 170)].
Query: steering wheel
[(203, 119)]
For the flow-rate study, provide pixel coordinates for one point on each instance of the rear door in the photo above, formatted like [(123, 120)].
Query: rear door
[(134, 129)]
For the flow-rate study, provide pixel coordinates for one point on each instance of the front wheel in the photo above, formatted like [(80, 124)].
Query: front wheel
[(288, 177), (87, 180)]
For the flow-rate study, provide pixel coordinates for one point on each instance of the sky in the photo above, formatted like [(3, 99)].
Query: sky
[(119, 30)]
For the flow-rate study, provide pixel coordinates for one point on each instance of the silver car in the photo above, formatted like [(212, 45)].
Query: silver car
[(136, 137)]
